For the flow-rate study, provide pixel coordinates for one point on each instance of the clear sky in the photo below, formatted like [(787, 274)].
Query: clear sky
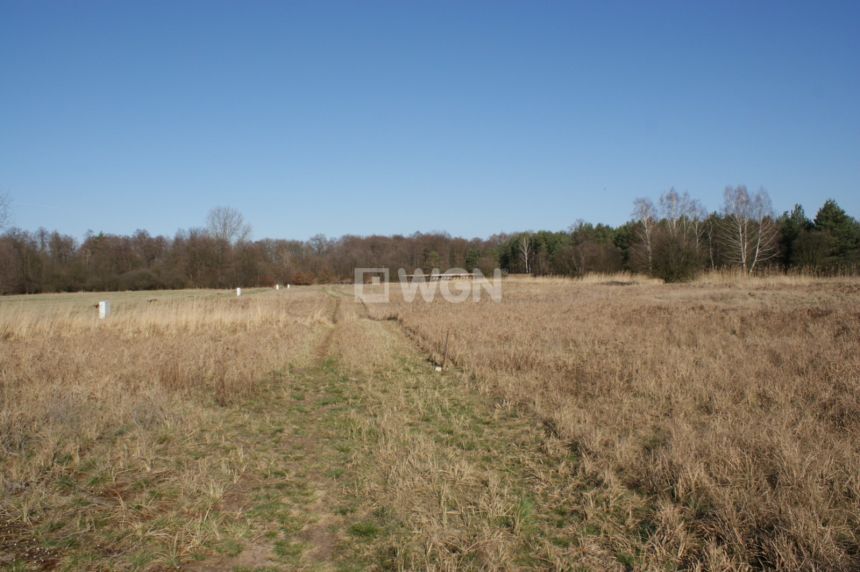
[(391, 117)]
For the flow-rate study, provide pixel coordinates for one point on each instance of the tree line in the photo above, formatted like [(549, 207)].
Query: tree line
[(673, 238)]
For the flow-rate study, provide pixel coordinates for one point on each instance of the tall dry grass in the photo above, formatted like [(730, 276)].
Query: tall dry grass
[(721, 419), (607, 278), (96, 417), (155, 314)]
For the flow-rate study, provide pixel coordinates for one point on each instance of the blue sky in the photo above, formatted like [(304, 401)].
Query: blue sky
[(393, 117)]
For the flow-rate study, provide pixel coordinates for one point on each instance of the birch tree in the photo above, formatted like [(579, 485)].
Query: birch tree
[(749, 233), (683, 215), (525, 251), (646, 215)]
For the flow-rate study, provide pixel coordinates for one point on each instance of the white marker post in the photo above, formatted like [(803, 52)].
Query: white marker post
[(277, 286), (104, 310), (238, 292), (288, 286)]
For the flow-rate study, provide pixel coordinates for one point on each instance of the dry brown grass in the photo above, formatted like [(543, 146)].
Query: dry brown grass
[(462, 476), (103, 423), (763, 279), (612, 279), (720, 421), (618, 423)]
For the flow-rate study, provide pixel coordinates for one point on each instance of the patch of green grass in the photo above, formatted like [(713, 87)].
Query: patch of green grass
[(66, 483), (69, 543), (266, 511), (87, 466), (525, 509), (97, 480), (141, 559), (56, 525), (330, 401), (364, 530), (626, 560), (287, 549), (230, 547)]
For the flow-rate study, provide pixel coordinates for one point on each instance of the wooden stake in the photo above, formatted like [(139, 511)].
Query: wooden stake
[(445, 353)]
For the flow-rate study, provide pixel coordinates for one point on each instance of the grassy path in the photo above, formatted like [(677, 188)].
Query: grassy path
[(297, 508), (372, 460)]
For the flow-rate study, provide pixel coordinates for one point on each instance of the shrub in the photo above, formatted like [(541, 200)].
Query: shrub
[(675, 260)]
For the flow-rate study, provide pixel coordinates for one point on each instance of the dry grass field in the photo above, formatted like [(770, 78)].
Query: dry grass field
[(612, 423), (717, 424), (105, 427)]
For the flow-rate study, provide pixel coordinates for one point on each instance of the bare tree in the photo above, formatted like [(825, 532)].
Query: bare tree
[(749, 233), (5, 209), (525, 251), (696, 220), (672, 208), (226, 223), (645, 213), (683, 215)]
